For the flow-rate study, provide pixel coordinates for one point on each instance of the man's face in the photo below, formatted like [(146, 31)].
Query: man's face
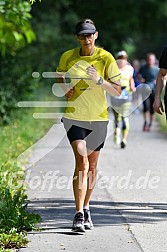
[(151, 60)]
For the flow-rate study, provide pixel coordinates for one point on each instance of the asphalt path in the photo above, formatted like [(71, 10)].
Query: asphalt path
[(129, 202)]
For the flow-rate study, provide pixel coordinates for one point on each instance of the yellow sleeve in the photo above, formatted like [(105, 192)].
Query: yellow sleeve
[(62, 66), (112, 70)]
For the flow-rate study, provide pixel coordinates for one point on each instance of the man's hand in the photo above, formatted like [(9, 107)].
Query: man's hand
[(91, 71), (113, 89), (158, 106)]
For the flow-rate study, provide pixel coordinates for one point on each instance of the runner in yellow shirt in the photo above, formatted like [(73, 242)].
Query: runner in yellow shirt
[(121, 105), (86, 74)]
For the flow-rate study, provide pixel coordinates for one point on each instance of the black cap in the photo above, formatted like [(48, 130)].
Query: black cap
[(85, 28)]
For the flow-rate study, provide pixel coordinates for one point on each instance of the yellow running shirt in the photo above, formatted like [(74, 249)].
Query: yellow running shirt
[(89, 101), (126, 75)]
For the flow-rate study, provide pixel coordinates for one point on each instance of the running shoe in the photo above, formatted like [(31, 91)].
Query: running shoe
[(78, 223), (123, 144), (146, 127), (87, 219)]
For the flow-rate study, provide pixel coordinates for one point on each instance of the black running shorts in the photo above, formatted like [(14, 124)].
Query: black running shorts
[(148, 104), (94, 133)]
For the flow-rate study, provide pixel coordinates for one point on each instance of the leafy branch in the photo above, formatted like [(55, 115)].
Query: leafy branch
[(33, 1), (15, 26)]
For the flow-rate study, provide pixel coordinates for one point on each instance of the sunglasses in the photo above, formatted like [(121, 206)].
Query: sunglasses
[(84, 36)]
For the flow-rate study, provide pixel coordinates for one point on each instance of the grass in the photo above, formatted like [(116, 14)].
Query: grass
[(163, 123), (15, 138), (21, 134)]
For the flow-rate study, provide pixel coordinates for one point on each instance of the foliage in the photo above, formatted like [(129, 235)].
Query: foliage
[(13, 212), (12, 240), (15, 218), (138, 23), (15, 73), (127, 22), (54, 32), (33, 1), (16, 84), (15, 28)]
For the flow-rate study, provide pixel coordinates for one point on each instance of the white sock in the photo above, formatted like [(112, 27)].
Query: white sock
[(86, 207), (80, 212)]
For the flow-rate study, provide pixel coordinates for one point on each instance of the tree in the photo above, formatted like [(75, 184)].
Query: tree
[(137, 25), (15, 27), (15, 33)]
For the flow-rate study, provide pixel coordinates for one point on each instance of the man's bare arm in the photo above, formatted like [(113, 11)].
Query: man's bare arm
[(160, 83)]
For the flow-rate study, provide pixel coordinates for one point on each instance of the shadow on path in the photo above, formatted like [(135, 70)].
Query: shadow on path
[(58, 213)]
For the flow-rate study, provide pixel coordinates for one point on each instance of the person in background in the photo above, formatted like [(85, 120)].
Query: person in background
[(92, 71), (160, 83), (147, 74), (121, 105), (136, 95), (136, 67)]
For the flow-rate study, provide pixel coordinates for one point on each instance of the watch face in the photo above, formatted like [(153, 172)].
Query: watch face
[(100, 81)]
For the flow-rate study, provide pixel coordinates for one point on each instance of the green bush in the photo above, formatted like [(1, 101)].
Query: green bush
[(13, 212), (15, 217)]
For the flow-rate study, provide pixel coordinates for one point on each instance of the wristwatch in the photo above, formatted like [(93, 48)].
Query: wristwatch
[(100, 81)]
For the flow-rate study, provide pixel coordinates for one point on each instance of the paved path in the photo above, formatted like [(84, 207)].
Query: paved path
[(129, 203)]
